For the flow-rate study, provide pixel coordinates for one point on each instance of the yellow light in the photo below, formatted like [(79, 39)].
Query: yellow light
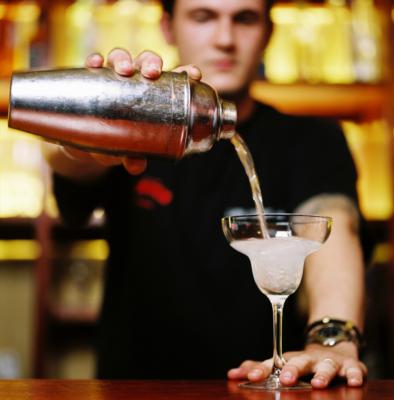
[(284, 15), (3, 9), (127, 8), (316, 16), (21, 180), (310, 43), (150, 13), (79, 14), (89, 250), (382, 253), (51, 208), (103, 13), (25, 12), (14, 250), (22, 194), (370, 146), (337, 3)]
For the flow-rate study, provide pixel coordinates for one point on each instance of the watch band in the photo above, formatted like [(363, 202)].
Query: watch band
[(330, 331)]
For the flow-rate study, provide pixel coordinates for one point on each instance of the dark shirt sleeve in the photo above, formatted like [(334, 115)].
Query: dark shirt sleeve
[(325, 166), (322, 162), (77, 200)]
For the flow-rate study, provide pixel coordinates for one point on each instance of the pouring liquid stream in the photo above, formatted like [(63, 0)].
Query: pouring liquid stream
[(247, 161)]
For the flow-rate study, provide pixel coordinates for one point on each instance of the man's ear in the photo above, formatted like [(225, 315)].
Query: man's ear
[(166, 27)]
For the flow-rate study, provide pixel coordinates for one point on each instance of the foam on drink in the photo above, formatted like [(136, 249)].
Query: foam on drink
[(277, 264)]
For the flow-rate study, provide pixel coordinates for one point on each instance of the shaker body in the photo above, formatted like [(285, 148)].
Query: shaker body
[(98, 110)]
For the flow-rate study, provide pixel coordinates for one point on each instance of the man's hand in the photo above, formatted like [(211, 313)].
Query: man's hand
[(324, 363), (150, 65)]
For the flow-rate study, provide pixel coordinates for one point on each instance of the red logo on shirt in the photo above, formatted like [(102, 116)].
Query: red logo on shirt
[(151, 192)]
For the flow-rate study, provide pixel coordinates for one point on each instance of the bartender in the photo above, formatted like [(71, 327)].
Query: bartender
[(179, 302)]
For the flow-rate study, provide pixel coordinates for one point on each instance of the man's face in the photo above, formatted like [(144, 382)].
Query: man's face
[(225, 38)]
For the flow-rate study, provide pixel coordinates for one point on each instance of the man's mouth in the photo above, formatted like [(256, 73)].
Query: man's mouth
[(223, 64)]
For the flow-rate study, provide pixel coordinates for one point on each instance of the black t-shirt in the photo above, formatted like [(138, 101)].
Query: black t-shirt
[(179, 301)]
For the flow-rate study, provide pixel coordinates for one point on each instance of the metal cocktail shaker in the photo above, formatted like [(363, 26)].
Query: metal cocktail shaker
[(98, 110)]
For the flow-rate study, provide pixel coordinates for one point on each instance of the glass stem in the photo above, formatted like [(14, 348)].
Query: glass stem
[(277, 312)]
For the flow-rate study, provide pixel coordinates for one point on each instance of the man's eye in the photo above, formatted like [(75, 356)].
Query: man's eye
[(201, 16), (247, 18)]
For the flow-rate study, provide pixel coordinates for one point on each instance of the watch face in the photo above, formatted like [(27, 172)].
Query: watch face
[(329, 331), (331, 335)]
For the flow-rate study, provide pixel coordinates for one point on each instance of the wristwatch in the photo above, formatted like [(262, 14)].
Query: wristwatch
[(329, 332)]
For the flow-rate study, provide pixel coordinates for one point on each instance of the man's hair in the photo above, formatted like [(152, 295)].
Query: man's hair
[(168, 6)]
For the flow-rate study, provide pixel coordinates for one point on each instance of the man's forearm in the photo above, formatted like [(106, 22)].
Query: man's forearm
[(334, 276)]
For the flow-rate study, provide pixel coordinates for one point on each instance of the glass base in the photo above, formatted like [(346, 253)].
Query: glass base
[(273, 383)]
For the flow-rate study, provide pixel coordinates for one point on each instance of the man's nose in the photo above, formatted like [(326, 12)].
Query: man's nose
[(225, 33)]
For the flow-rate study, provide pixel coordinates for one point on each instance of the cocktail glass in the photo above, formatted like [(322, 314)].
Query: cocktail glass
[(277, 258)]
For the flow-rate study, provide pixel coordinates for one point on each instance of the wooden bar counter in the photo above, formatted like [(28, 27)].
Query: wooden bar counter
[(45, 389)]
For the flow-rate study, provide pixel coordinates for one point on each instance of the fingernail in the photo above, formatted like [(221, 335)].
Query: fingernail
[(287, 375), (319, 380), (95, 58), (151, 68), (235, 372), (255, 373), (123, 66), (355, 381)]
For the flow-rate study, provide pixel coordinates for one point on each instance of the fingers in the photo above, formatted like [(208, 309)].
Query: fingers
[(120, 60), (294, 368), (83, 155), (354, 372), (150, 64), (106, 160), (260, 371), (354, 376), (75, 154), (325, 372), (242, 371), (302, 364), (94, 60), (134, 166), (193, 71)]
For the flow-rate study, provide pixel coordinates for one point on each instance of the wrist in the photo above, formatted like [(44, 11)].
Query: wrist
[(330, 332), (346, 349)]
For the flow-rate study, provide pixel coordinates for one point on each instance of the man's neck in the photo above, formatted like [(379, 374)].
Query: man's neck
[(245, 105), (245, 108)]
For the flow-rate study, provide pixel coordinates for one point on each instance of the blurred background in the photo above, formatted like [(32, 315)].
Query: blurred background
[(331, 58)]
